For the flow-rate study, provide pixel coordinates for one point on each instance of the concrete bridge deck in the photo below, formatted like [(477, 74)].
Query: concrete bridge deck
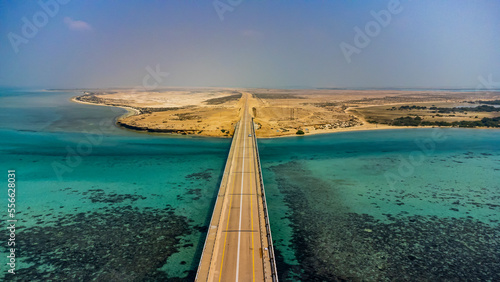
[(238, 246)]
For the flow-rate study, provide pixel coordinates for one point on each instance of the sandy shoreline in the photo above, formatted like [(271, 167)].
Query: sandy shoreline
[(340, 130), (130, 111), (362, 128), (277, 113), (369, 127)]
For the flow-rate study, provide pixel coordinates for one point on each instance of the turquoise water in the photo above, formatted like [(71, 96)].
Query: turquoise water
[(96, 201), (52, 111), (387, 205)]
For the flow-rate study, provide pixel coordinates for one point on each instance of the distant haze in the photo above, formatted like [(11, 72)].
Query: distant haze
[(427, 43)]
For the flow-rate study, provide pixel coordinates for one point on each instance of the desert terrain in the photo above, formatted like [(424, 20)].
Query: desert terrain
[(278, 112)]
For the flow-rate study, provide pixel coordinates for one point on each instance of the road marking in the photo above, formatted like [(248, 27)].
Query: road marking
[(227, 226), (241, 200)]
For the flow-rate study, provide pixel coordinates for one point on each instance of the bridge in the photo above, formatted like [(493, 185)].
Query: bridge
[(239, 245)]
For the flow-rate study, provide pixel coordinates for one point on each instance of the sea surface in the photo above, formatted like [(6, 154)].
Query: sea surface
[(95, 201), (391, 205)]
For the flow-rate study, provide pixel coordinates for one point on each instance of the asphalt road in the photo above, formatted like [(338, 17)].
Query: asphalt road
[(236, 247)]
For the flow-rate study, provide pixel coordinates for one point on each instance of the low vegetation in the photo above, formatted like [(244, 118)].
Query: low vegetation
[(407, 121), (222, 100), (494, 102), (327, 104), (481, 108), (416, 121), (187, 116), (276, 96), (408, 108)]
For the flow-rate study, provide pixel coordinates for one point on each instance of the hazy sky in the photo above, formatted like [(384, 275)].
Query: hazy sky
[(243, 43)]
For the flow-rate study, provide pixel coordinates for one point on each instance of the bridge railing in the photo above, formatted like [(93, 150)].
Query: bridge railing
[(223, 182), (274, 272)]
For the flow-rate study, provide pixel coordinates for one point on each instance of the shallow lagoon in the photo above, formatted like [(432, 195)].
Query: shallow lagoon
[(342, 206), (98, 202), (380, 206)]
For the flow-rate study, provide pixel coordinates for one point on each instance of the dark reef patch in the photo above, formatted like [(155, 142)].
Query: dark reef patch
[(206, 175), (195, 192), (120, 244), (99, 196), (333, 244)]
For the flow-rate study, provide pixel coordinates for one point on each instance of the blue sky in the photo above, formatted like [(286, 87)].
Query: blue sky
[(428, 43)]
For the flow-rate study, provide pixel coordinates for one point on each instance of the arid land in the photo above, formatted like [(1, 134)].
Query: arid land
[(278, 112)]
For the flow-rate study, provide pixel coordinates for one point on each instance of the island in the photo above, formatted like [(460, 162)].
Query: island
[(214, 111)]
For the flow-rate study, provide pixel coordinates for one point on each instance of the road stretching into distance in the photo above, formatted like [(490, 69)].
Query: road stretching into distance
[(238, 246)]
